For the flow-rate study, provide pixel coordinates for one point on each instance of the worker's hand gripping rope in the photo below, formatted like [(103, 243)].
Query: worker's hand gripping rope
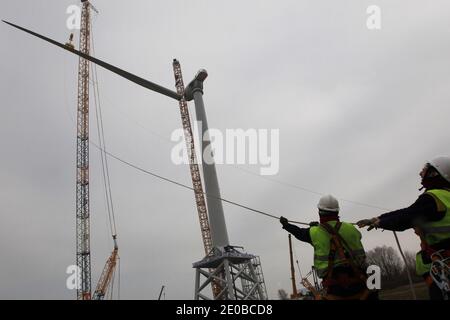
[(284, 221)]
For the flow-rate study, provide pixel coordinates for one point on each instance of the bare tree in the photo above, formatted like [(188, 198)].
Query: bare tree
[(282, 294), (411, 266), (389, 262)]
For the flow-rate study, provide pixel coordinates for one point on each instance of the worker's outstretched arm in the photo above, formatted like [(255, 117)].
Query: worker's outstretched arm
[(425, 209), (301, 234)]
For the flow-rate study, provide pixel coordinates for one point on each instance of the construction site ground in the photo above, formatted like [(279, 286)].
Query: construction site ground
[(404, 293)]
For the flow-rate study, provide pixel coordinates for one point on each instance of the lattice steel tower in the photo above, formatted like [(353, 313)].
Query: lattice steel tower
[(193, 164), (83, 255)]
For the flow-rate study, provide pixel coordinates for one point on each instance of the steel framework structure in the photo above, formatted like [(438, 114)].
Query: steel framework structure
[(83, 252), (107, 274), (239, 275), (193, 164), (194, 169)]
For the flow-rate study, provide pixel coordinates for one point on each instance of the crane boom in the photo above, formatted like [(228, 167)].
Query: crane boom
[(107, 274), (310, 287), (305, 282), (83, 254), (195, 172)]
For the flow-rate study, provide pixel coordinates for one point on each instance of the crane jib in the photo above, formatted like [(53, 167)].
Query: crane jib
[(125, 74)]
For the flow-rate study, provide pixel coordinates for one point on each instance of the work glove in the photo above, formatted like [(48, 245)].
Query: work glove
[(371, 223), (284, 221)]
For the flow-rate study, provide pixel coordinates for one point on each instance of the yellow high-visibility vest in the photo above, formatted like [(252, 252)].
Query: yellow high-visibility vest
[(321, 242), (434, 232)]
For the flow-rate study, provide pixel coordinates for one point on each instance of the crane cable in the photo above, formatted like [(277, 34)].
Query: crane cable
[(244, 206), (189, 187), (104, 162), (294, 186), (104, 158)]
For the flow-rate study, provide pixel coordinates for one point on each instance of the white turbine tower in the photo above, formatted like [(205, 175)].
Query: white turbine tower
[(238, 274)]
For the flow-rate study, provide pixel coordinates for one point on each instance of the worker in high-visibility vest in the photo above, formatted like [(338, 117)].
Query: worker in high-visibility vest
[(429, 216), (339, 255)]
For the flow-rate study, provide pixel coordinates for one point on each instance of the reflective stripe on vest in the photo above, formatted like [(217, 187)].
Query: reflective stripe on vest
[(435, 231), (320, 239)]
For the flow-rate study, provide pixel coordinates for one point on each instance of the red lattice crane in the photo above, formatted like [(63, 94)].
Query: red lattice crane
[(83, 253), (107, 274)]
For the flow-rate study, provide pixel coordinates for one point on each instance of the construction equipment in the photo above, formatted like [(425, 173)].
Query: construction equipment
[(315, 278), (161, 292), (295, 293), (316, 293), (193, 166), (440, 272), (104, 283), (83, 253)]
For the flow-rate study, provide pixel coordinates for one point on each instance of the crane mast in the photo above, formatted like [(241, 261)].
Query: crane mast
[(83, 254)]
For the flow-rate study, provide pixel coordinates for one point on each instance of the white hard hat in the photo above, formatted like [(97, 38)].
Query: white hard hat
[(442, 165), (328, 203)]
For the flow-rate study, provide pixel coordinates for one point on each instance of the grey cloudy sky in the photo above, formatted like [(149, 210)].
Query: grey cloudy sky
[(359, 112)]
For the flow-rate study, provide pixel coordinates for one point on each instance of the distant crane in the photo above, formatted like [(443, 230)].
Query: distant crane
[(83, 253), (107, 274), (161, 292), (294, 294), (313, 289)]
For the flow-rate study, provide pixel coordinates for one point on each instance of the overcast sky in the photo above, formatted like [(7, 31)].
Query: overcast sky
[(359, 112)]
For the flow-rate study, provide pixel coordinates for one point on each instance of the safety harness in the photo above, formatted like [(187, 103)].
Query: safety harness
[(440, 264), (339, 245)]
